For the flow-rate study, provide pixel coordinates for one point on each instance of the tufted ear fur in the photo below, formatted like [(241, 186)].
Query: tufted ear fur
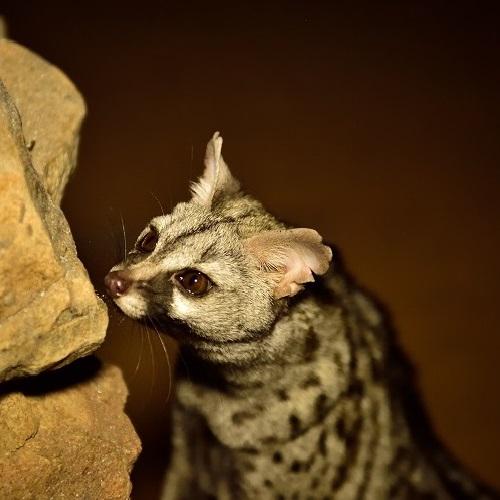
[(293, 254), (216, 180)]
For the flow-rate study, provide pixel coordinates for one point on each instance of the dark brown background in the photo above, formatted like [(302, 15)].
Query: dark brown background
[(376, 123)]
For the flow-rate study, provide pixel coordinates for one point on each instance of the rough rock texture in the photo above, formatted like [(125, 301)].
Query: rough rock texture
[(49, 313), (52, 110), (64, 435), (3, 28)]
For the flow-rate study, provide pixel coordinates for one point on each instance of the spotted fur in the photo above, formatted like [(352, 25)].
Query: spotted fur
[(282, 392)]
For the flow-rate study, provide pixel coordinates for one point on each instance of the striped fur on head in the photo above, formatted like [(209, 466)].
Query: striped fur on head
[(254, 262)]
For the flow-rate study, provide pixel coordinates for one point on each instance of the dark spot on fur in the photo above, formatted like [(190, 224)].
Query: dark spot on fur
[(403, 462), (295, 496), (296, 466), (282, 395), (337, 359), (352, 448), (356, 388), (320, 406), (306, 466), (250, 450), (280, 497), (311, 345), (322, 443), (352, 439), (239, 417), (257, 384), (314, 483), (340, 427), (339, 478), (249, 466), (277, 457), (268, 483), (294, 426), (269, 440), (377, 370), (368, 466), (311, 381)]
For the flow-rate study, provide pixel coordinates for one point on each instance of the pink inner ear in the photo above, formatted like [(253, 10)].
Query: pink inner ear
[(294, 254)]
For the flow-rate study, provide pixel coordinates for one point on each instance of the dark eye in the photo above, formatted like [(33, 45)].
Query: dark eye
[(148, 242), (194, 282)]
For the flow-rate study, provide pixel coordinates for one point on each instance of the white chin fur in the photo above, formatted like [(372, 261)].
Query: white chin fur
[(132, 305)]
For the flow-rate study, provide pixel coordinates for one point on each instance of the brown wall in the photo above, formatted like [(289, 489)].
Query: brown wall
[(376, 124)]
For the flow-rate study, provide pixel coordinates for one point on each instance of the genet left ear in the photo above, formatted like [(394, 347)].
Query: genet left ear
[(216, 181), (292, 254)]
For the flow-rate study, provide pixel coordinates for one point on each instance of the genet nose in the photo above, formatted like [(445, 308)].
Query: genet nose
[(117, 283)]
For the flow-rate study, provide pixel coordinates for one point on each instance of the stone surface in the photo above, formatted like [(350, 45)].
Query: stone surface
[(52, 110), (3, 27), (64, 435), (49, 313)]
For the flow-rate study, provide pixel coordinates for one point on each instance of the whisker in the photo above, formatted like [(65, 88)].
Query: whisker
[(124, 238), (159, 202), (140, 355), (168, 363), (153, 365), (112, 236)]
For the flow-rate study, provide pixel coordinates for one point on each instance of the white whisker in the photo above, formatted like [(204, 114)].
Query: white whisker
[(124, 238), (153, 365), (159, 202), (168, 363), (140, 356)]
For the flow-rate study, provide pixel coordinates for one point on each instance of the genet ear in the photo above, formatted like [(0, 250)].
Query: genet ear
[(216, 180), (292, 254)]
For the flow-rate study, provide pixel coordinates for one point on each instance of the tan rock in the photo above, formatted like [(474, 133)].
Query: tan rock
[(49, 313), (3, 27), (64, 435), (52, 110)]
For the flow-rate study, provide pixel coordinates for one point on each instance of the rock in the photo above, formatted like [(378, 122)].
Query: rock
[(64, 435), (3, 27), (52, 110), (49, 313)]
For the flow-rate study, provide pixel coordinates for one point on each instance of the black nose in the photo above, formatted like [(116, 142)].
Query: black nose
[(117, 283)]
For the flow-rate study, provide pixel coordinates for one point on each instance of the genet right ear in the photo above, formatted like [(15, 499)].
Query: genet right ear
[(292, 254)]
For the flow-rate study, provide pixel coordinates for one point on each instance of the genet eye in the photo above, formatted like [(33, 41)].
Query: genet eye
[(148, 242), (194, 282)]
